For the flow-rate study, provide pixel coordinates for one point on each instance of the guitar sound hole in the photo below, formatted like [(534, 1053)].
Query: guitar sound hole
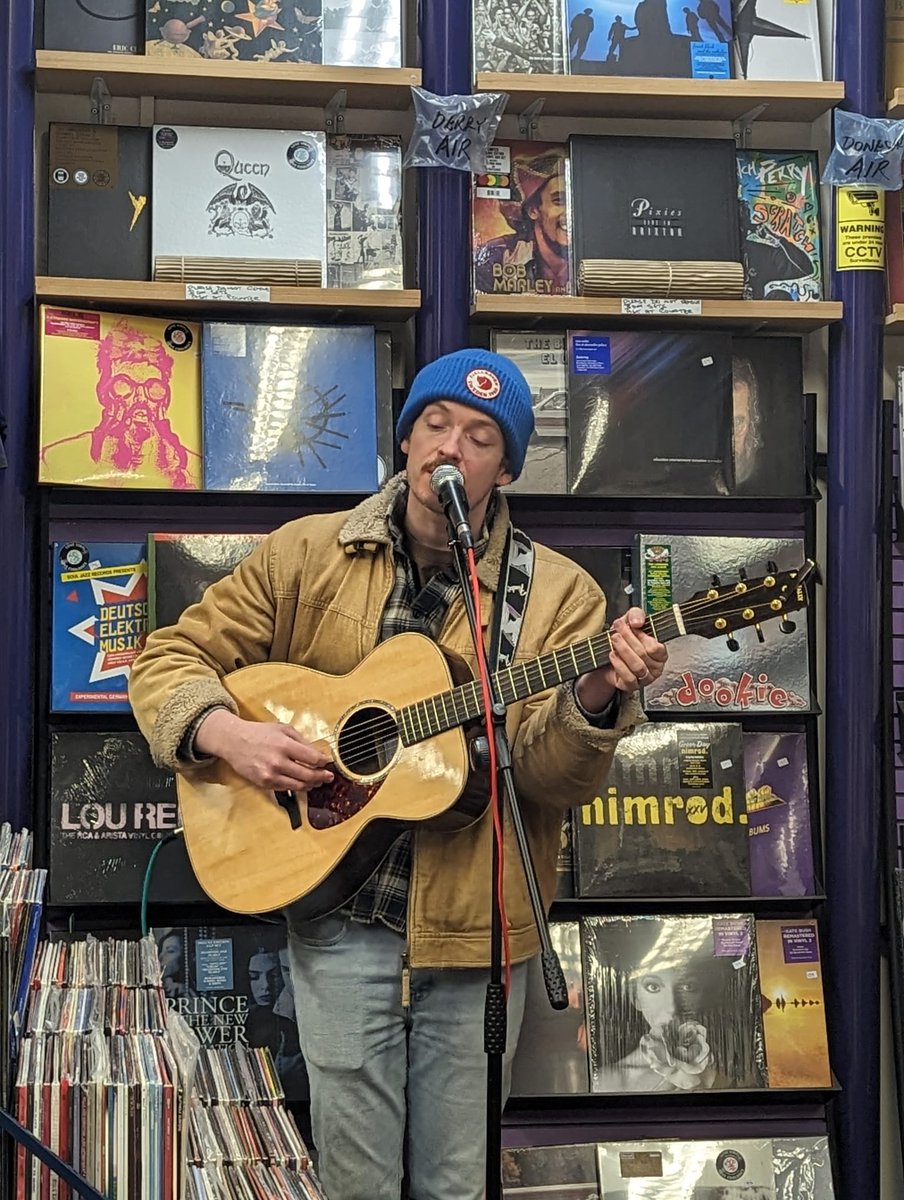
[(368, 741)]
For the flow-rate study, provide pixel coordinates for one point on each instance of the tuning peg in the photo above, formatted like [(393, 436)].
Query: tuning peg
[(733, 644), (786, 625), (772, 566), (742, 574), (716, 581), (760, 636)]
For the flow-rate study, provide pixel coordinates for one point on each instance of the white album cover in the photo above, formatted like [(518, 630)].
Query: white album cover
[(775, 39), (673, 1170), (362, 33), (239, 193)]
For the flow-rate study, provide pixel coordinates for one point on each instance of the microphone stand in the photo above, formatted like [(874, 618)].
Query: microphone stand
[(495, 1013)]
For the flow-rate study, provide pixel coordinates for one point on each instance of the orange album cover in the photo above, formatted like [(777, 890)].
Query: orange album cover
[(120, 400), (794, 1020)]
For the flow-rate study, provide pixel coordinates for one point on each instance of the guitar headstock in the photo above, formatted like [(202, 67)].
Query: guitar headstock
[(723, 609)]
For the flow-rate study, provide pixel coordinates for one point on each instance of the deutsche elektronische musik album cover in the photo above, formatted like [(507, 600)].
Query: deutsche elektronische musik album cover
[(769, 417), (673, 1003), (671, 819), (182, 566), (729, 1169), (550, 1172), (120, 400), (233, 986), (100, 621), (779, 210), (367, 34), (109, 805), (775, 40), (649, 414), (653, 37), (551, 1058), (101, 27), (289, 408), (776, 772), (526, 36), (269, 31), (803, 1168), (794, 1014), (521, 220), (238, 193), (541, 356), (363, 199), (716, 675)]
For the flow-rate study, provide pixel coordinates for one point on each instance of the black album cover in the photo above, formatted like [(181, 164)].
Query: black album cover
[(181, 566), (109, 806), (649, 414), (99, 27), (550, 1172), (99, 197), (769, 440), (670, 819), (610, 567), (672, 199), (672, 1003)]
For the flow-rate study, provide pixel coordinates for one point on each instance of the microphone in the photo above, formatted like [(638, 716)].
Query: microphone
[(448, 483)]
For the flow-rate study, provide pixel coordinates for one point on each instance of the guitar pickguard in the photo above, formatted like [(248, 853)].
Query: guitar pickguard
[(332, 803)]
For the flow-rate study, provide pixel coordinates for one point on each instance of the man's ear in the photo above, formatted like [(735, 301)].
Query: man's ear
[(504, 476), (404, 444)]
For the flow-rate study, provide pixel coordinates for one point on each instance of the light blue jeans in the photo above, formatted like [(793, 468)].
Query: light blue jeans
[(375, 1065)]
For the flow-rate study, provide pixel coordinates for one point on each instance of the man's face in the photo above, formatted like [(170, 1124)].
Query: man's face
[(742, 429), (136, 395), (549, 210)]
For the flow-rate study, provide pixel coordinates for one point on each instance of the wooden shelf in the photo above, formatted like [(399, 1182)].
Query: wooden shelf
[(894, 321), (896, 103), (129, 294), (525, 311), (297, 84), (668, 99)]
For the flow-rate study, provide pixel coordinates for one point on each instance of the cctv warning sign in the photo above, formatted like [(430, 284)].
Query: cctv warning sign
[(859, 229)]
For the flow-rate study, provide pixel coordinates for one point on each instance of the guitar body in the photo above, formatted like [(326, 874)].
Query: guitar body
[(254, 852)]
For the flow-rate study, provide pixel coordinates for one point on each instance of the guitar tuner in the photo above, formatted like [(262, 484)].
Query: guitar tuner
[(716, 581), (786, 625), (772, 566), (742, 574), (733, 644)]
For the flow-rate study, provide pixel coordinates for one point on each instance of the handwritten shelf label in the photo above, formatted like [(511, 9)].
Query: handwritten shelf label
[(650, 306), (234, 292)]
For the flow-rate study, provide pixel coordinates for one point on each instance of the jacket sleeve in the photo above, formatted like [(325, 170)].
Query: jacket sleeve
[(559, 758), (176, 680)]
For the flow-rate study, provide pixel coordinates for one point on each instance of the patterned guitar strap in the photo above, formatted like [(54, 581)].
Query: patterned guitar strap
[(515, 579)]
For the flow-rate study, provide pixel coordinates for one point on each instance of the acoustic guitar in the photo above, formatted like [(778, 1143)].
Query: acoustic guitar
[(394, 730)]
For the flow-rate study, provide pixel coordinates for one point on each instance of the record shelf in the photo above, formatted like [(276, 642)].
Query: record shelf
[(896, 103), (894, 321)]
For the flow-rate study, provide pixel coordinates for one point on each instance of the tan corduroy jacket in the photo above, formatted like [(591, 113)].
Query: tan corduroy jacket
[(313, 593)]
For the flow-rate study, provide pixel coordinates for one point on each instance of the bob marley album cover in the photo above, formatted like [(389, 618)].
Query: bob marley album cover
[(120, 400), (673, 1003)]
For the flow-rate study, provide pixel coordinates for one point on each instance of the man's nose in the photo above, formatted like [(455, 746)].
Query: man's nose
[(450, 447)]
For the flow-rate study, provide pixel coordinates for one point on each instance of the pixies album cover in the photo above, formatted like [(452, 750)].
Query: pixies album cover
[(280, 31), (649, 414), (725, 673)]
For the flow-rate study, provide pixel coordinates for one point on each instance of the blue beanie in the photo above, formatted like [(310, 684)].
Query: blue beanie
[(483, 380)]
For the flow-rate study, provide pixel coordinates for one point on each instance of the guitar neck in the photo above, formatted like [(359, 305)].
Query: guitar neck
[(446, 710)]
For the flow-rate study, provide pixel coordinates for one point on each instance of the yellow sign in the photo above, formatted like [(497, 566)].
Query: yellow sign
[(859, 228)]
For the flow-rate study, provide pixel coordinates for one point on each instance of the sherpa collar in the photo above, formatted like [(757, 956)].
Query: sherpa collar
[(366, 527)]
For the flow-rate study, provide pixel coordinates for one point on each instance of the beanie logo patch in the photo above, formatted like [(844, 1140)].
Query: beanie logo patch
[(483, 384)]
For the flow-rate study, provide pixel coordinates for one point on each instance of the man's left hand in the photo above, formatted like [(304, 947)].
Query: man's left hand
[(636, 660)]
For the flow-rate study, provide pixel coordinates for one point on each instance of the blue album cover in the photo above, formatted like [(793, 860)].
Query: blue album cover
[(685, 39), (100, 620), (289, 408)]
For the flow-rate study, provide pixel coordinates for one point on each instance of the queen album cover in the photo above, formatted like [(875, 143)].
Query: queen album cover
[(541, 357), (794, 1013), (363, 199), (728, 1169), (777, 779), (526, 36), (120, 400), (521, 220), (550, 1172), (769, 418), (673, 1003), (781, 243), (725, 673), (649, 414), (670, 819), (670, 38), (182, 566), (270, 31)]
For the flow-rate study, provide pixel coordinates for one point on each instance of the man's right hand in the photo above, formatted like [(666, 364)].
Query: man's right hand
[(271, 756)]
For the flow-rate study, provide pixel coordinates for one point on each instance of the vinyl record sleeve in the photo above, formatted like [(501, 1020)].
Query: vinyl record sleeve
[(551, 1058), (101, 27), (794, 1013), (781, 242), (649, 414), (675, 1170), (541, 357), (363, 199), (705, 674), (267, 32), (803, 1168), (610, 567), (670, 199), (776, 40), (521, 220), (565, 862), (672, 1003), (181, 566), (769, 427), (670, 819), (550, 1172), (239, 193), (606, 37), (120, 400), (526, 36), (357, 34), (776, 772), (289, 408), (99, 619)]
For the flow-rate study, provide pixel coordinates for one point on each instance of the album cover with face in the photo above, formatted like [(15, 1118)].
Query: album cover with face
[(724, 668), (775, 40), (769, 417), (781, 241), (109, 806), (672, 199), (541, 357), (362, 34), (776, 772), (182, 566), (521, 220), (729, 1169), (550, 1172), (98, 27), (120, 400), (270, 31), (98, 206), (794, 1012), (239, 193), (289, 408), (610, 567), (803, 1168), (649, 414), (551, 1058), (526, 36), (687, 41), (670, 818), (363, 198), (672, 1003)]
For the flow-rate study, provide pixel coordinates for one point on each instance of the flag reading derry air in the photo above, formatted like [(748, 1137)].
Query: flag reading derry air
[(120, 400)]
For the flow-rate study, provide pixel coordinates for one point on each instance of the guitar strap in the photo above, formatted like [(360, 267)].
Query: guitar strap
[(515, 578)]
